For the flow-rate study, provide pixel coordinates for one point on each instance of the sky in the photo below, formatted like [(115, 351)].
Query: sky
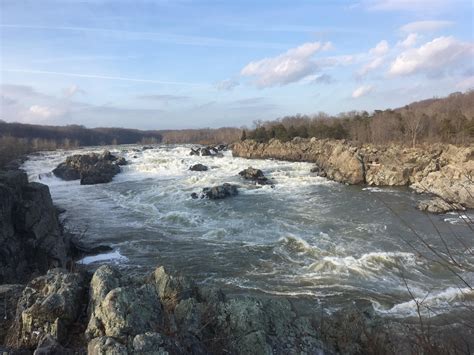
[(163, 64)]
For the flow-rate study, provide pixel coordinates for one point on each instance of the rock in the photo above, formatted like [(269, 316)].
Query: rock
[(219, 192), (50, 346), (31, 238), (255, 175), (208, 151), (198, 167), (91, 168), (121, 309), (440, 169), (106, 346), (100, 173), (154, 343), (9, 296), (438, 205), (49, 306), (337, 158)]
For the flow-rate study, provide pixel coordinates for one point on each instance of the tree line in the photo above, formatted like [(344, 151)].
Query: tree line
[(446, 120)]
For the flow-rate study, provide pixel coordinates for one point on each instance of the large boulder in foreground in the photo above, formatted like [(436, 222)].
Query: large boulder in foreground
[(217, 192), (48, 307), (162, 314), (255, 175), (91, 168)]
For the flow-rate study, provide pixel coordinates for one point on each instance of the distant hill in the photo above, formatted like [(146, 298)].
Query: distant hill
[(445, 120), (75, 135)]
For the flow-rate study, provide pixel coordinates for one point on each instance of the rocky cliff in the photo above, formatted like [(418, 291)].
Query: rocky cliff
[(444, 170), (31, 239)]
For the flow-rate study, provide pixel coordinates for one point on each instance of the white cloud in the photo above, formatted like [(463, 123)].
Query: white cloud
[(43, 111), (409, 41), (285, 68), (377, 58), (433, 58), (227, 85), (380, 49), (362, 91), (425, 26)]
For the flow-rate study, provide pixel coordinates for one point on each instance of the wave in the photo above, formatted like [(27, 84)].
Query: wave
[(431, 304)]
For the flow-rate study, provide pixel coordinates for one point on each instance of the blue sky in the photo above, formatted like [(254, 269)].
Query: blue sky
[(187, 64)]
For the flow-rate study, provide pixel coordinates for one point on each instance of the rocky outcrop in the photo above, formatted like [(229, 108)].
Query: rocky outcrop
[(209, 150), (47, 310), (162, 313), (255, 175), (90, 168), (198, 167), (217, 192), (441, 169), (338, 159), (31, 239), (9, 296), (438, 205)]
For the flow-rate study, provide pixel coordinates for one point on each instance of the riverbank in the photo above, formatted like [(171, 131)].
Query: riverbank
[(443, 170)]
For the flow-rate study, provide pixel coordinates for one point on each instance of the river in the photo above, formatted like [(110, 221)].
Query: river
[(305, 237)]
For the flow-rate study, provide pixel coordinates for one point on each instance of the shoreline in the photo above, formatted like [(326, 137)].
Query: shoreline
[(442, 170)]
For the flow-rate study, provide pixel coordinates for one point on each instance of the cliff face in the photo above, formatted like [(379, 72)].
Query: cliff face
[(444, 170), (31, 240)]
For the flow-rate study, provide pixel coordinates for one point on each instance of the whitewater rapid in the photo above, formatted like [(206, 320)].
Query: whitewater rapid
[(304, 237)]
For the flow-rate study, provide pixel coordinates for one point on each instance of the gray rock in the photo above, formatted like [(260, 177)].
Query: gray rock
[(198, 167), (9, 296), (255, 175), (106, 346), (219, 192), (49, 305), (91, 168), (438, 205), (31, 239)]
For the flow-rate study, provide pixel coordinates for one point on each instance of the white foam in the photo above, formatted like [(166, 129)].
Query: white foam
[(430, 304), (113, 256)]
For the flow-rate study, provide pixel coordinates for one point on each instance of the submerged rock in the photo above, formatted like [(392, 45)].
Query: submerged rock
[(255, 175), (91, 168), (198, 167)]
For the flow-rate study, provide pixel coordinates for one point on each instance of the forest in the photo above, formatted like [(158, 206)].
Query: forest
[(445, 120)]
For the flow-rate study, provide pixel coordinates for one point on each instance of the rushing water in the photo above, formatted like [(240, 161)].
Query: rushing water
[(305, 237)]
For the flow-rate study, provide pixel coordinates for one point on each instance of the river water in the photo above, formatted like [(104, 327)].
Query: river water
[(306, 237)]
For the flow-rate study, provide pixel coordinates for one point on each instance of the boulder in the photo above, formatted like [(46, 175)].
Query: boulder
[(218, 192), (215, 151), (255, 175), (198, 167), (90, 168), (121, 308), (48, 306), (438, 205)]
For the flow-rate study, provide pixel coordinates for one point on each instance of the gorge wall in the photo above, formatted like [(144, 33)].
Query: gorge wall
[(441, 169)]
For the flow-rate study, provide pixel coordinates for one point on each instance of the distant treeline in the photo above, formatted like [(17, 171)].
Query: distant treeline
[(202, 136), (75, 135), (447, 120)]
